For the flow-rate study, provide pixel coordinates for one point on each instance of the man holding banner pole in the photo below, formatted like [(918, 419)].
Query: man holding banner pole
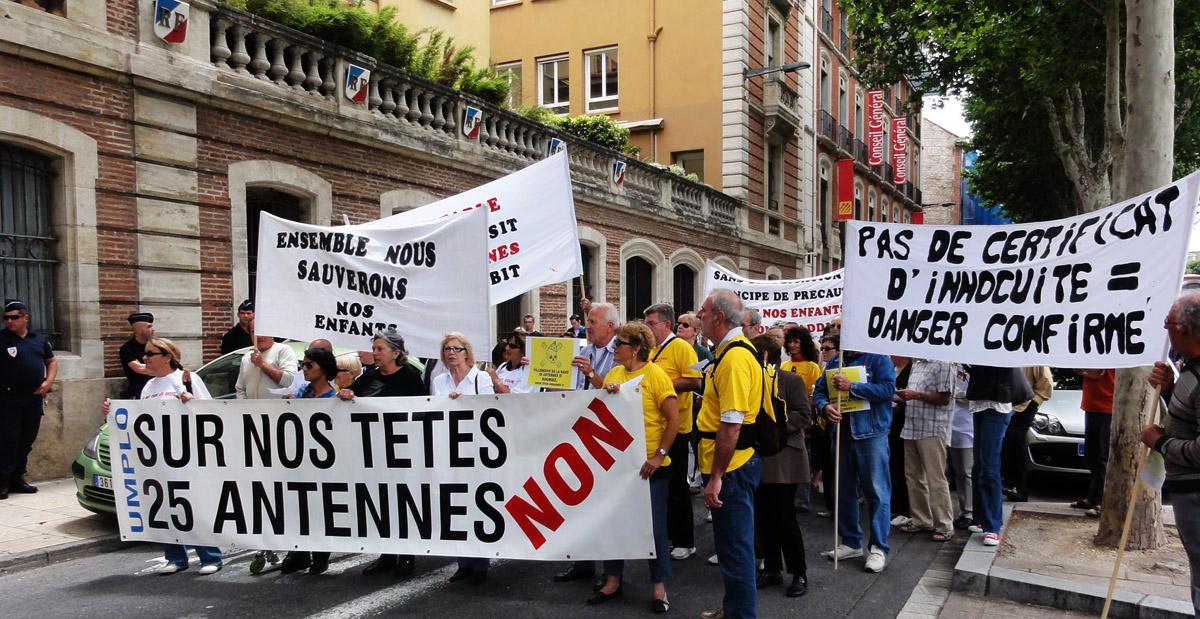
[(1179, 440), (863, 453)]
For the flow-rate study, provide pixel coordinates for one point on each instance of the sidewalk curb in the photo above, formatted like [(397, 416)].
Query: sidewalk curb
[(974, 574), (41, 557)]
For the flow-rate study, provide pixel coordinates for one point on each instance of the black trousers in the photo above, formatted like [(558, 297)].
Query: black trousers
[(821, 458), (679, 497), (1097, 430), (896, 465), (20, 420), (778, 531), (1012, 455)]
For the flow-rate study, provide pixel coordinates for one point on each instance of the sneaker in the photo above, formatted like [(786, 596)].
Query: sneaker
[(824, 514), (762, 565), (258, 562), (209, 569), (713, 614), (712, 560), (682, 553), (901, 520), (875, 560), (975, 528), (708, 518), (843, 552), (991, 539), (171, 568)]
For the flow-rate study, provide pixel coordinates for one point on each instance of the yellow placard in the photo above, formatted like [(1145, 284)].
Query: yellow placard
[(856, 374), (550, 362)]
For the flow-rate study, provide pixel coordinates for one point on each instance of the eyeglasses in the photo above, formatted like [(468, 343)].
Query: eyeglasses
[(308, 365), (148, 353), (454, 349), (1166, 323), (621, 342), (828, 348), (12, 316)]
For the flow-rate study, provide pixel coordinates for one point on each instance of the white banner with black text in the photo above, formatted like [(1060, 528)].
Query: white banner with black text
[(523, 476), (348, 283), (1090, 291), (811, 303)]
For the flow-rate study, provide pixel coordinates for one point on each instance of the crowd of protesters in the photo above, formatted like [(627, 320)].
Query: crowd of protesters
[(925, 446)]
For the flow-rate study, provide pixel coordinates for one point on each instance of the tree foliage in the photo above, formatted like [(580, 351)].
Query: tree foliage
[(1193, 267), (427, 53), (1023, 67), (597, 128)]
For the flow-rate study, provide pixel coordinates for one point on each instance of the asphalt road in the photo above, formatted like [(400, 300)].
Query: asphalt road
[(124, 584)]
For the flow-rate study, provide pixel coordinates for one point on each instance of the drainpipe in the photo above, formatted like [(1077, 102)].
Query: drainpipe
[(653, 39)]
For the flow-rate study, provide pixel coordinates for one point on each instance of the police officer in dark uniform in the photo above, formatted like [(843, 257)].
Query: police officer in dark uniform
[(27, 370), (239, 335), (142, 324)]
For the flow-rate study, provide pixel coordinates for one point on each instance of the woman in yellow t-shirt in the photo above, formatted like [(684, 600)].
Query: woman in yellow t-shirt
[(660, 412), (803, 356)]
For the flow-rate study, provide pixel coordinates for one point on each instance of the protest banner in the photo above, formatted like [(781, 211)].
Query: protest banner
[(532, 237), (550, 362), (810, 303), (346, 284), (1089, 291), (525, 476)]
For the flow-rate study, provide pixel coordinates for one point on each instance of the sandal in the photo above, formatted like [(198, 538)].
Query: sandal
[(1082, 504), (1094, 512), (941, 537), (909, 528), (962, 522)]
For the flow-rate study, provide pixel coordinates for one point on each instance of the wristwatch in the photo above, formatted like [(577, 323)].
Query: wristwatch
[(662, 452), (591, 374)]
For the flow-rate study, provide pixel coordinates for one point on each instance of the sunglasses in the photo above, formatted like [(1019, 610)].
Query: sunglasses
[(12, 316), (308, 365), (454, 349), (828, 348), (684, 325), (511, 345), (149, 353), (621, 342)]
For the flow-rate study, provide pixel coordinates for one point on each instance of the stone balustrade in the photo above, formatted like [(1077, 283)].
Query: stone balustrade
[(247, 45)]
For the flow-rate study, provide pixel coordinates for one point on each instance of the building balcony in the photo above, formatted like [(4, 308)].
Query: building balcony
[(860, 152), (781, 106), (844, 43), (845, 140), (827, 126), (827, 23)]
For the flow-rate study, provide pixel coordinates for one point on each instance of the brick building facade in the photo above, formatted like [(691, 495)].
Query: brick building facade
[(153, 158)]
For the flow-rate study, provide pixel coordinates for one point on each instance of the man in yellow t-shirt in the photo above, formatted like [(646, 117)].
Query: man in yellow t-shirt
[(676, 357), (733, 395)]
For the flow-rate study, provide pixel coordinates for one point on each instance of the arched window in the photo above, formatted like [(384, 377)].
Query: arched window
[(28, 248), (639, 286), (582, 287), (684, 285), (266, 200)]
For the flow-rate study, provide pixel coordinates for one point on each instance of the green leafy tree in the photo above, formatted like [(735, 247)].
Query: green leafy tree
[(1193, 267)]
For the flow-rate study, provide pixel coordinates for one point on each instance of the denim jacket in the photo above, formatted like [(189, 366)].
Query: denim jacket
[(879, 391)]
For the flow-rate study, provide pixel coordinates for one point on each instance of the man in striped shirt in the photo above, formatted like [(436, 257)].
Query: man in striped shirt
[(1179, 440)]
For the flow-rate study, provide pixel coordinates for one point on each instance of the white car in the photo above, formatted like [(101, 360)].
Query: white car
[(1054, 442)]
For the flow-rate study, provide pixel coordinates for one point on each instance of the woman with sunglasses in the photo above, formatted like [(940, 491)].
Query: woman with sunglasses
[(512, 376), (462, 378), (319, 368), (171, 382), (687, 329), (631, 359), (391, 376)]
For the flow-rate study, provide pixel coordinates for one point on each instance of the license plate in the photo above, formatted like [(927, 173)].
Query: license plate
[(102, 481), (1080, 449)]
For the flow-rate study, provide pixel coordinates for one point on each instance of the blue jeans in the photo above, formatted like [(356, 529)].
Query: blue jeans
[(177, 554), (474, 564), (988, 499), (733, 532), (1187, 522), (864, 465), (660, 565)]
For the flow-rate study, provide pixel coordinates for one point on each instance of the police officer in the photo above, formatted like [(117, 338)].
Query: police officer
[(142, 325), (27, 370), (239, 336)]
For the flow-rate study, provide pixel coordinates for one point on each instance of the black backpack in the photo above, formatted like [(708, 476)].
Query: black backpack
[(768, 434)]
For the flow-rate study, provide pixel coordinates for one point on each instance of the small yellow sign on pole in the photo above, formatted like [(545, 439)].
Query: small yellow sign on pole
[(550, 362)]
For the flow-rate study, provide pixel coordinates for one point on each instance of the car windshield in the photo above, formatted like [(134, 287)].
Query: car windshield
[(1066, 379), (221, 376)]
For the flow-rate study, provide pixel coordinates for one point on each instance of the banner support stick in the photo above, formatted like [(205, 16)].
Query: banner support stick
[(837, 469), (1137, 484)]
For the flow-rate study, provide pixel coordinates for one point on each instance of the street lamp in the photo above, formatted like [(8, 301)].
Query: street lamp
[(940, 204), (790, 67)]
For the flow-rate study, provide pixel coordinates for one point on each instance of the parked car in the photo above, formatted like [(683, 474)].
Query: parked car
[(91, 469), (1054, 442)]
